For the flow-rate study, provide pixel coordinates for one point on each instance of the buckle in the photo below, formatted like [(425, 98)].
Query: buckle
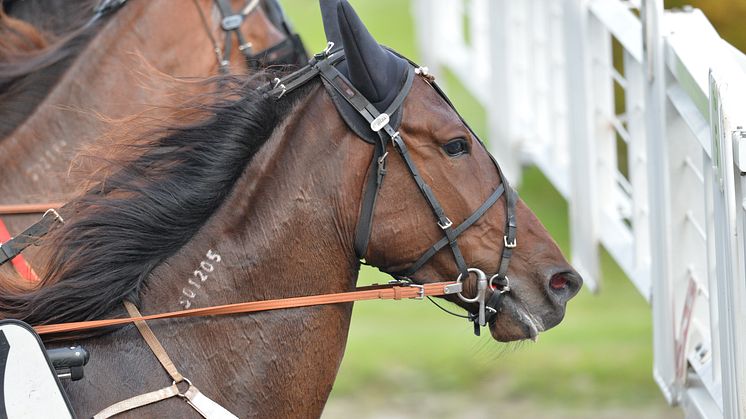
[(510, 245), (325, 53), (56, 214), (445, 225), (408, 283), (279, 85), (420, 291)]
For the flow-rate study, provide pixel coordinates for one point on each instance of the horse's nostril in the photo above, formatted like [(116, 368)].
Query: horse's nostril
[(564, 285), (558, 281)]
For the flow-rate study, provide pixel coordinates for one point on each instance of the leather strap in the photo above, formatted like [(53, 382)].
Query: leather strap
[(374, 292), (138, 401), (21, 209), (201, 403), (152, 341), (206, 406), (31, 235), (458, 230)]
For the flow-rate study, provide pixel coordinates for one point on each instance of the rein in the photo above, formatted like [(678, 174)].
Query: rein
[(20, 209), (393, 291)]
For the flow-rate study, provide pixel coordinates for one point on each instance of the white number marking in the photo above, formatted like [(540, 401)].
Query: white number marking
[(205, 267)]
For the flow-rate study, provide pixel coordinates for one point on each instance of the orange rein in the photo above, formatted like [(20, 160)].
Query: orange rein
[(373, 292), (18, 209)]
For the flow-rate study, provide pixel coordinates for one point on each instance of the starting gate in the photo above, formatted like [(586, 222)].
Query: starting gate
[(637, 115)]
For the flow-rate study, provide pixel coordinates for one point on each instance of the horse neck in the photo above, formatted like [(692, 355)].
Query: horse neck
[(284, 231), (287, 225)]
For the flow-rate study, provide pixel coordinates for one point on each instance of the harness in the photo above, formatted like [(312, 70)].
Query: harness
[(289, 51)]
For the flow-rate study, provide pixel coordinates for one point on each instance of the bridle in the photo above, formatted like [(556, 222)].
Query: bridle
[(338, 85), (289, 51)]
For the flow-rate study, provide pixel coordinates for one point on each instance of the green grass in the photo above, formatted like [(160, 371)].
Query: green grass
[(599, 356)]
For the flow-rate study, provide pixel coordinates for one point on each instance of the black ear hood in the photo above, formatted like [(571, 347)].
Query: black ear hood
[(376, 72)]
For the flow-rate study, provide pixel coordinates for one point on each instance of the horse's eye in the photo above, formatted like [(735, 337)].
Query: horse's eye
[(456, 147)]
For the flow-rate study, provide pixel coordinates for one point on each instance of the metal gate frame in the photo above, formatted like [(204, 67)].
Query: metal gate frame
[(659, 181)]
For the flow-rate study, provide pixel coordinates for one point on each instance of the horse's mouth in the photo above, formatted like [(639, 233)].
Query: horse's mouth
[(515, 322)]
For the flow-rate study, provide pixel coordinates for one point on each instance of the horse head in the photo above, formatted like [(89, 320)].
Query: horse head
[(436, 192)]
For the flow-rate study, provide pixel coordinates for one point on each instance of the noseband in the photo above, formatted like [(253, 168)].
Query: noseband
[(336, 83)]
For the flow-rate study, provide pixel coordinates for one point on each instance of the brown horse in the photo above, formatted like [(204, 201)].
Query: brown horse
[(54, 97), (260, 200)]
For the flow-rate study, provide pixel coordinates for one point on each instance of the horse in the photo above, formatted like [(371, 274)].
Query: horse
[(265, 196)]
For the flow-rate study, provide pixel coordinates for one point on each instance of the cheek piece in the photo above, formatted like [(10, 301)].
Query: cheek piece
[(490, 293)]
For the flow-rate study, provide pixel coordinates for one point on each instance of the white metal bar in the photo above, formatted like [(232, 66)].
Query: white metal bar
[(622, 23), (502, 116), (583, 206), (728, 117), (664, 369), (636, 163)]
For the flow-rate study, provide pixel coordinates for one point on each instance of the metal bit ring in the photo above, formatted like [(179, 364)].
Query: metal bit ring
[(480, 277), (503, 289)]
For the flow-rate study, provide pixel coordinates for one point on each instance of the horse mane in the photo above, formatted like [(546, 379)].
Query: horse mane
[(145, 208), (31, 61)]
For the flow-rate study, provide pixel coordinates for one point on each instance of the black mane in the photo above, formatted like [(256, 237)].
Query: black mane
[(146, 210)]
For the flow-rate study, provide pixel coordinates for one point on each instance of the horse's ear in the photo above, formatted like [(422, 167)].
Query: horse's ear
[(376, 72), (331, 25)]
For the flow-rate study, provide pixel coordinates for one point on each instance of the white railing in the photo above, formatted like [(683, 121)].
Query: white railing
[(638, 117)]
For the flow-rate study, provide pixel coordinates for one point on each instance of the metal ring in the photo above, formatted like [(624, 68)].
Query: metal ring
[(480, 276), (504, 289), (183, 379)]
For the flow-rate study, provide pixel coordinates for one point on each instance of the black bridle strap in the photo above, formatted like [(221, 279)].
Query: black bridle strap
[(377, 169), (231, 23), (28, 237), (443, 221), (458, 230)]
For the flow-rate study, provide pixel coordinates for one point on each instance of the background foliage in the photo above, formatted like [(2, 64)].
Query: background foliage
[(408, 359)]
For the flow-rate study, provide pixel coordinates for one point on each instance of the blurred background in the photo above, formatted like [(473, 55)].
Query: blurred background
[(407, 359)]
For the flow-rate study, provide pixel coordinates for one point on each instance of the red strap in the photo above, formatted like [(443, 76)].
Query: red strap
[(19, 263)]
